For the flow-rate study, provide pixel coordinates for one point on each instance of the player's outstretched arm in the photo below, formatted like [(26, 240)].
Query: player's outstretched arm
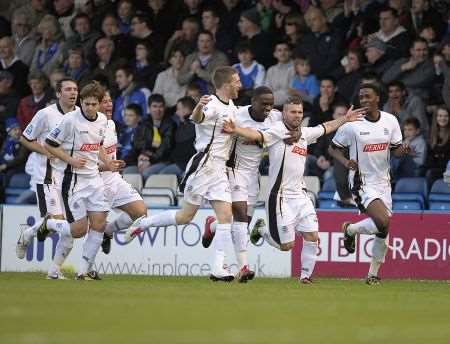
[(250, 134), (352, 115), (338, 154), (403, 149), (197, 114)]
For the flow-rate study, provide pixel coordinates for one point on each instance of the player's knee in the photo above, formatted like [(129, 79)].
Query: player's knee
[(287, 246), (382, 223), (78, 230), (239, 214), (183, 217)]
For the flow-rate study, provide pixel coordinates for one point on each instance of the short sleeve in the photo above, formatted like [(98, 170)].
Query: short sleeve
[(342, 138), (60, 133), (210, 111), (35, 127), (396, 136), (311, 134), (273, 135)]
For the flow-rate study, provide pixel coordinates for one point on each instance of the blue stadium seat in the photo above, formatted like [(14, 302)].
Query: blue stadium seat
[(407, 205), (410, 190), (435, 205), (328, 189), (17, 184), (439, 197), (328, 204)]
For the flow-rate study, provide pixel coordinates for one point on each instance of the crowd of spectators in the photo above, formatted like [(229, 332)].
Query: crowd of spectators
[(156, 58)]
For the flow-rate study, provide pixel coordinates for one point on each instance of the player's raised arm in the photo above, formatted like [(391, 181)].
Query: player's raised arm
[(198, 115), (350, 116), (250, 134)]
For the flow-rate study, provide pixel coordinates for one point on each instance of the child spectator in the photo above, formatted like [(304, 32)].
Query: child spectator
[(411, 164), (251, 73), (304, 82), (132, 117), (12, 154)]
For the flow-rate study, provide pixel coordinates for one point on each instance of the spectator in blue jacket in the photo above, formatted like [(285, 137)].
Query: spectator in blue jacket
[(129, 94)]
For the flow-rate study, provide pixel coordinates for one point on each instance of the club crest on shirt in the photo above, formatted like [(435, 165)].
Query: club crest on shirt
[(55, 132), (29, 129)]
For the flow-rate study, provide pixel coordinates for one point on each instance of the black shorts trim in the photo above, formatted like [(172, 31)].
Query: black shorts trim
[(272, 204), (192, 168), (42, 204), (67, 180)]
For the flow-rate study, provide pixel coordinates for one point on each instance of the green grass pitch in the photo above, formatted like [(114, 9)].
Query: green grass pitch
[(137, 309)]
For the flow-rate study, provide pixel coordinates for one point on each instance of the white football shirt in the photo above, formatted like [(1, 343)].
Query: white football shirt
[(245, 154), (110, 146), (40, 126), (369, 145), (210, 130), (80, 137), (287, 162)]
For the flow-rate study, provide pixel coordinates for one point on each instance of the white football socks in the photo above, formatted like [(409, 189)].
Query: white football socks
[(91, 245), (166, 218), (123, 221), (62, 250), (239, 236), (62, 227), (366, 226), (379, 250), (308, 258), (30, 232), (221, 240)]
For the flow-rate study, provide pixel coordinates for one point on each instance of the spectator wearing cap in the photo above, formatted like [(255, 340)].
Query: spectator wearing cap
[(199, 66), (49, 52), (404, 105), (9, 62), (9, 101), (12, 155), (142, 30), (392, 33), (24, 39), (83, 36), (39, 98), (322, 45), (261, 43), (416, 72), (377, 60)]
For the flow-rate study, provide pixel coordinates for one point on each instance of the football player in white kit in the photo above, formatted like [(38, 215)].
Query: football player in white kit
[(288, 207), (76, 142), (370, 142), (44, 176), (120, 194), (206, 173), (243, 174)]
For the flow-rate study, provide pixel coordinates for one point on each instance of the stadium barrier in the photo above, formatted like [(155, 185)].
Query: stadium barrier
[(420, 249)]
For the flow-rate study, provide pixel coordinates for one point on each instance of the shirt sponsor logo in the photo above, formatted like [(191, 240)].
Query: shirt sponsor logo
[(300, 151), (111, 149), (55, 132), (87, 147), (375, 147)]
